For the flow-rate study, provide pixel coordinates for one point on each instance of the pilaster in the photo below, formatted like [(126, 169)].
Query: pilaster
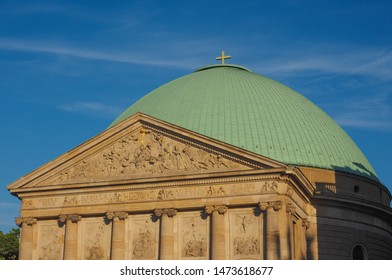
[(218, 231), (289, 232), (166, 246), (272, 243), (71, 235), (117, 251), (27, 235)]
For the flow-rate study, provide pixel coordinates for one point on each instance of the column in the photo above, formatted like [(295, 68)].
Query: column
[(166, 246), (71, 235), (117, 251), (308, 245), (26, 237), (218, 231), (290, 212), (272, 231)]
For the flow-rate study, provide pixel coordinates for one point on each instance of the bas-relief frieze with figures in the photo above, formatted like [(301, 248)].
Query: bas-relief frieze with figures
[(245, 234), (96, 239), (193, 236), (143, 153), (50, 240), (144, 236), (157, 194)]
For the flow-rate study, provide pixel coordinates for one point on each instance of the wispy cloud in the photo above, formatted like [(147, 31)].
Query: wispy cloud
[(112, 55), (94, 108), (352, 121), (371, 113), (344, 61)]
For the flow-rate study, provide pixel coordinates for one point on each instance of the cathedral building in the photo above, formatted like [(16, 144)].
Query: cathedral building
[(222, 163)]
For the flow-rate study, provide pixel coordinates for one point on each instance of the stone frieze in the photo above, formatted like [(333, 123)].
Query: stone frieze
[(153, 195)]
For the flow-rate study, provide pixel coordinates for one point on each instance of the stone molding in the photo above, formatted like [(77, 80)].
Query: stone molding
[(221, 209), (120, 215), (74, 218), (29, 221), (170, 212)]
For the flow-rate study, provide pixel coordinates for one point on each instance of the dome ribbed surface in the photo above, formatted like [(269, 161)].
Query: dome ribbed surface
[(231, 104)]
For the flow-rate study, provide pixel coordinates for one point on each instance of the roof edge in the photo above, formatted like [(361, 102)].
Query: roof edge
[(221, 65)]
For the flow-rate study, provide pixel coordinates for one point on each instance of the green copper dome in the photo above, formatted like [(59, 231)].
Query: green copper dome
[(247, 110)]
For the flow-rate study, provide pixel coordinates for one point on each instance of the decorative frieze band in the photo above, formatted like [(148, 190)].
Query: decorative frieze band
[(160, 194), (170, 212), (221, 209), (120, 215), (29, 221), (74, 218)]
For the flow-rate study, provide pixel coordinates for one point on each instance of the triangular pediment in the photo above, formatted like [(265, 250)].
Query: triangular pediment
[(138, 148)]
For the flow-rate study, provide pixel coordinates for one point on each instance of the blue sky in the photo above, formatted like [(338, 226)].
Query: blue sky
[(68, 68)]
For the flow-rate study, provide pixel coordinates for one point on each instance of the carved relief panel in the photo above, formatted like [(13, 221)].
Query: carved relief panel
[(143, 237), (246, 240), (50, 242), (144, 152), (96, 238), (193, 236)]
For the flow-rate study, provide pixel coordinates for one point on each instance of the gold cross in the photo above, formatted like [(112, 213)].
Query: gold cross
[(223, 57)]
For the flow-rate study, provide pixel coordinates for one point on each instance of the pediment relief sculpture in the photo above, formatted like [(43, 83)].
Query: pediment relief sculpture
[(145, 152)]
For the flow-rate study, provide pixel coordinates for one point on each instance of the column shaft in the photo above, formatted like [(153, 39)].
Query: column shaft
[(71, 235), (71, 240), (166, 246), (26, 242), (218, 236), (284, 236), (273, 232), (118, 235)]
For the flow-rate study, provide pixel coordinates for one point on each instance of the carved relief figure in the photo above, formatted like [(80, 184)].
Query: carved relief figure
[(27, 203), (165, 194), (215, 191), (194, 239), (155, 154), (270, 187), (51, 242), (70, 201), (143, 241), (246, 242), (95, 241)]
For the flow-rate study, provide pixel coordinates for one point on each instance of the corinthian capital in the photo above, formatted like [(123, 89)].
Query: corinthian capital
[(290, 208), (74, 218), (170, 212), (158, 212), (221, 209), (25, 220), (120, 215), (277, 205), (263, 206), (306, 223)]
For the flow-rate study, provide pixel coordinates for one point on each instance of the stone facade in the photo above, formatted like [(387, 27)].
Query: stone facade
[(145, 189)]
